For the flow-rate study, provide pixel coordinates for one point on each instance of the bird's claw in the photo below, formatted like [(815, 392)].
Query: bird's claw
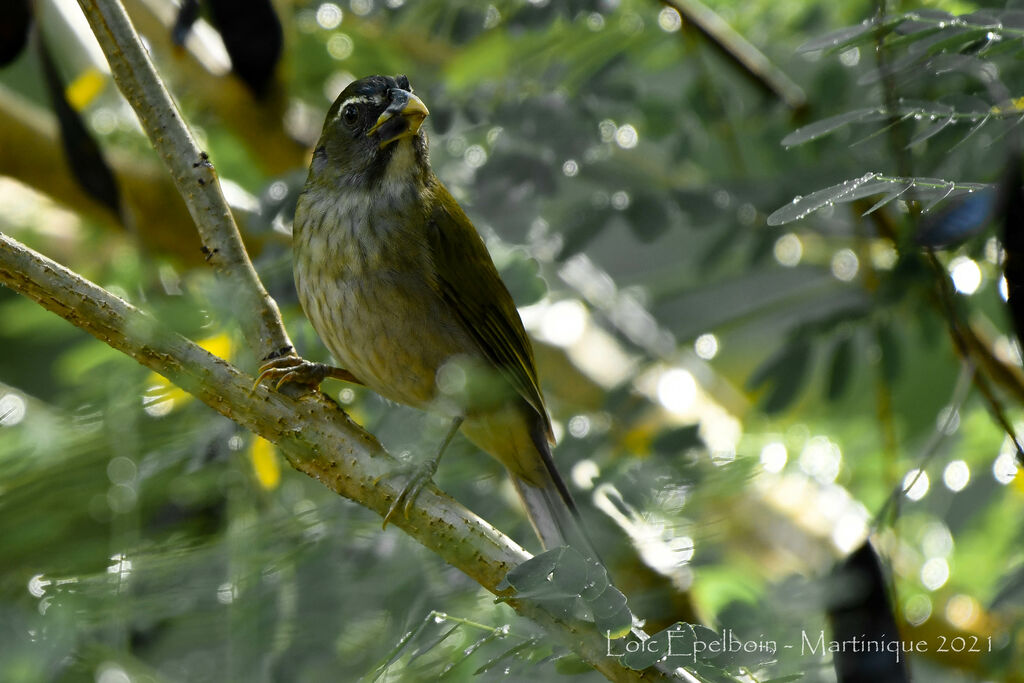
[(296, 370), (419, 476), (286, 369)]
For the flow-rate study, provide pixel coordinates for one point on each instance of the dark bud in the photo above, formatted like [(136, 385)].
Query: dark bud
[(14, 30), (84, 156), (1012, 210), (253, 37), (859, 607), (187, 15), (959, 220)]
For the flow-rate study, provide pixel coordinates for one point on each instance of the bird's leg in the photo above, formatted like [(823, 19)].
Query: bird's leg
[(419, 476), (291, 368)]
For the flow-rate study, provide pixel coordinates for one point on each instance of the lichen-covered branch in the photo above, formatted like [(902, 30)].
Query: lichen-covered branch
[(190, 168)]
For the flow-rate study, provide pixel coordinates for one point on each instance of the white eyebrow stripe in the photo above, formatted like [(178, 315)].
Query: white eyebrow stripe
[(358, 99)]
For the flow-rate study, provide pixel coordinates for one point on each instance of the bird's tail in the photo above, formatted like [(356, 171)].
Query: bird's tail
[(550, 506)]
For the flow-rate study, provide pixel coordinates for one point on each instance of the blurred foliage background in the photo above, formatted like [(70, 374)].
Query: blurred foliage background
[(735, 398)]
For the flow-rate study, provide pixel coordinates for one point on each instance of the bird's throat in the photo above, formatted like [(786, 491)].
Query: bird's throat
[(404, 171)]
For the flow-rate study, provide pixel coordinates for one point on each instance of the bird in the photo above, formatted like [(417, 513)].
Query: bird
[(401, 289)]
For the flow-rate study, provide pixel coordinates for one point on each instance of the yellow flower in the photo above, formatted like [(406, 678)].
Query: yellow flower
[(162, 397), (84, 89), (265, 464)]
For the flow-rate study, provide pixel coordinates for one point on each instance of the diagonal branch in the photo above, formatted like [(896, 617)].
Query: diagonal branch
[(191, 170), (316, 437)]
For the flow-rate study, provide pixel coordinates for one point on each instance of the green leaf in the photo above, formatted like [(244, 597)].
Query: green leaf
[(570, 574), (609, 603), (928, 191), (845, 191), (616, 625), (837, 38), (572, 665), (815, 130), (785, 373), (597, 581), (533, 573), (522, 651)]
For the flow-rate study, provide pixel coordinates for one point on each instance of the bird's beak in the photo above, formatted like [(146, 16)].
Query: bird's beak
[(409, 107)]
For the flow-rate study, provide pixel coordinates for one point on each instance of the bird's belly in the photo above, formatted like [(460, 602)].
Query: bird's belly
[(388, 329)]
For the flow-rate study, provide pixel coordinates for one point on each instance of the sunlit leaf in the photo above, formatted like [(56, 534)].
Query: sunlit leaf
[(928, 191), (845, 191)]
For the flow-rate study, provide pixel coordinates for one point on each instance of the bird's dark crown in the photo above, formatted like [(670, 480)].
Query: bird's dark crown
[(376, 90)]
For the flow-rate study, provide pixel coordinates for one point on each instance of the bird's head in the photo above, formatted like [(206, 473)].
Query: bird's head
[(374, 120)]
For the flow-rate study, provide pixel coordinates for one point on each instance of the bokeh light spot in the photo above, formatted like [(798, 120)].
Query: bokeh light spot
[(850, 531), (12, 410), (669, 20), (966, 275), (937, 541), (564, 322), (706, 346), (788, 250), (962, 611), (956, 475), (109, 672), (328, 16), (1004, 469), (584, 473), (774, 457), (934, 573), (626, 137), (340, 46), (361, 7), (845, 265), (915, 484), (821, 459), (579, 426), (677, 390), (918, 609), (475, 156)]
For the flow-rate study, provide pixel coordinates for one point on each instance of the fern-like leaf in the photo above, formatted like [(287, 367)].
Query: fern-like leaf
[(929, 192)]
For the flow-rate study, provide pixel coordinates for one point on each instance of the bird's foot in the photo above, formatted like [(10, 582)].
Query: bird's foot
[(417, 476), (295, 370)]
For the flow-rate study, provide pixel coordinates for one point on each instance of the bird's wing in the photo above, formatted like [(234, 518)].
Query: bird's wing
[(470, 284)]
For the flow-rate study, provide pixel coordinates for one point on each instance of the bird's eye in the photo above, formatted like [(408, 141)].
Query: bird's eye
[(350, 114)]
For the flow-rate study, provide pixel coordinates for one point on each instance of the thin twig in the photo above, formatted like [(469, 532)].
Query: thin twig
[(316, 437), (964, 348), (191, 170), (931, 449), (738, 50)]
